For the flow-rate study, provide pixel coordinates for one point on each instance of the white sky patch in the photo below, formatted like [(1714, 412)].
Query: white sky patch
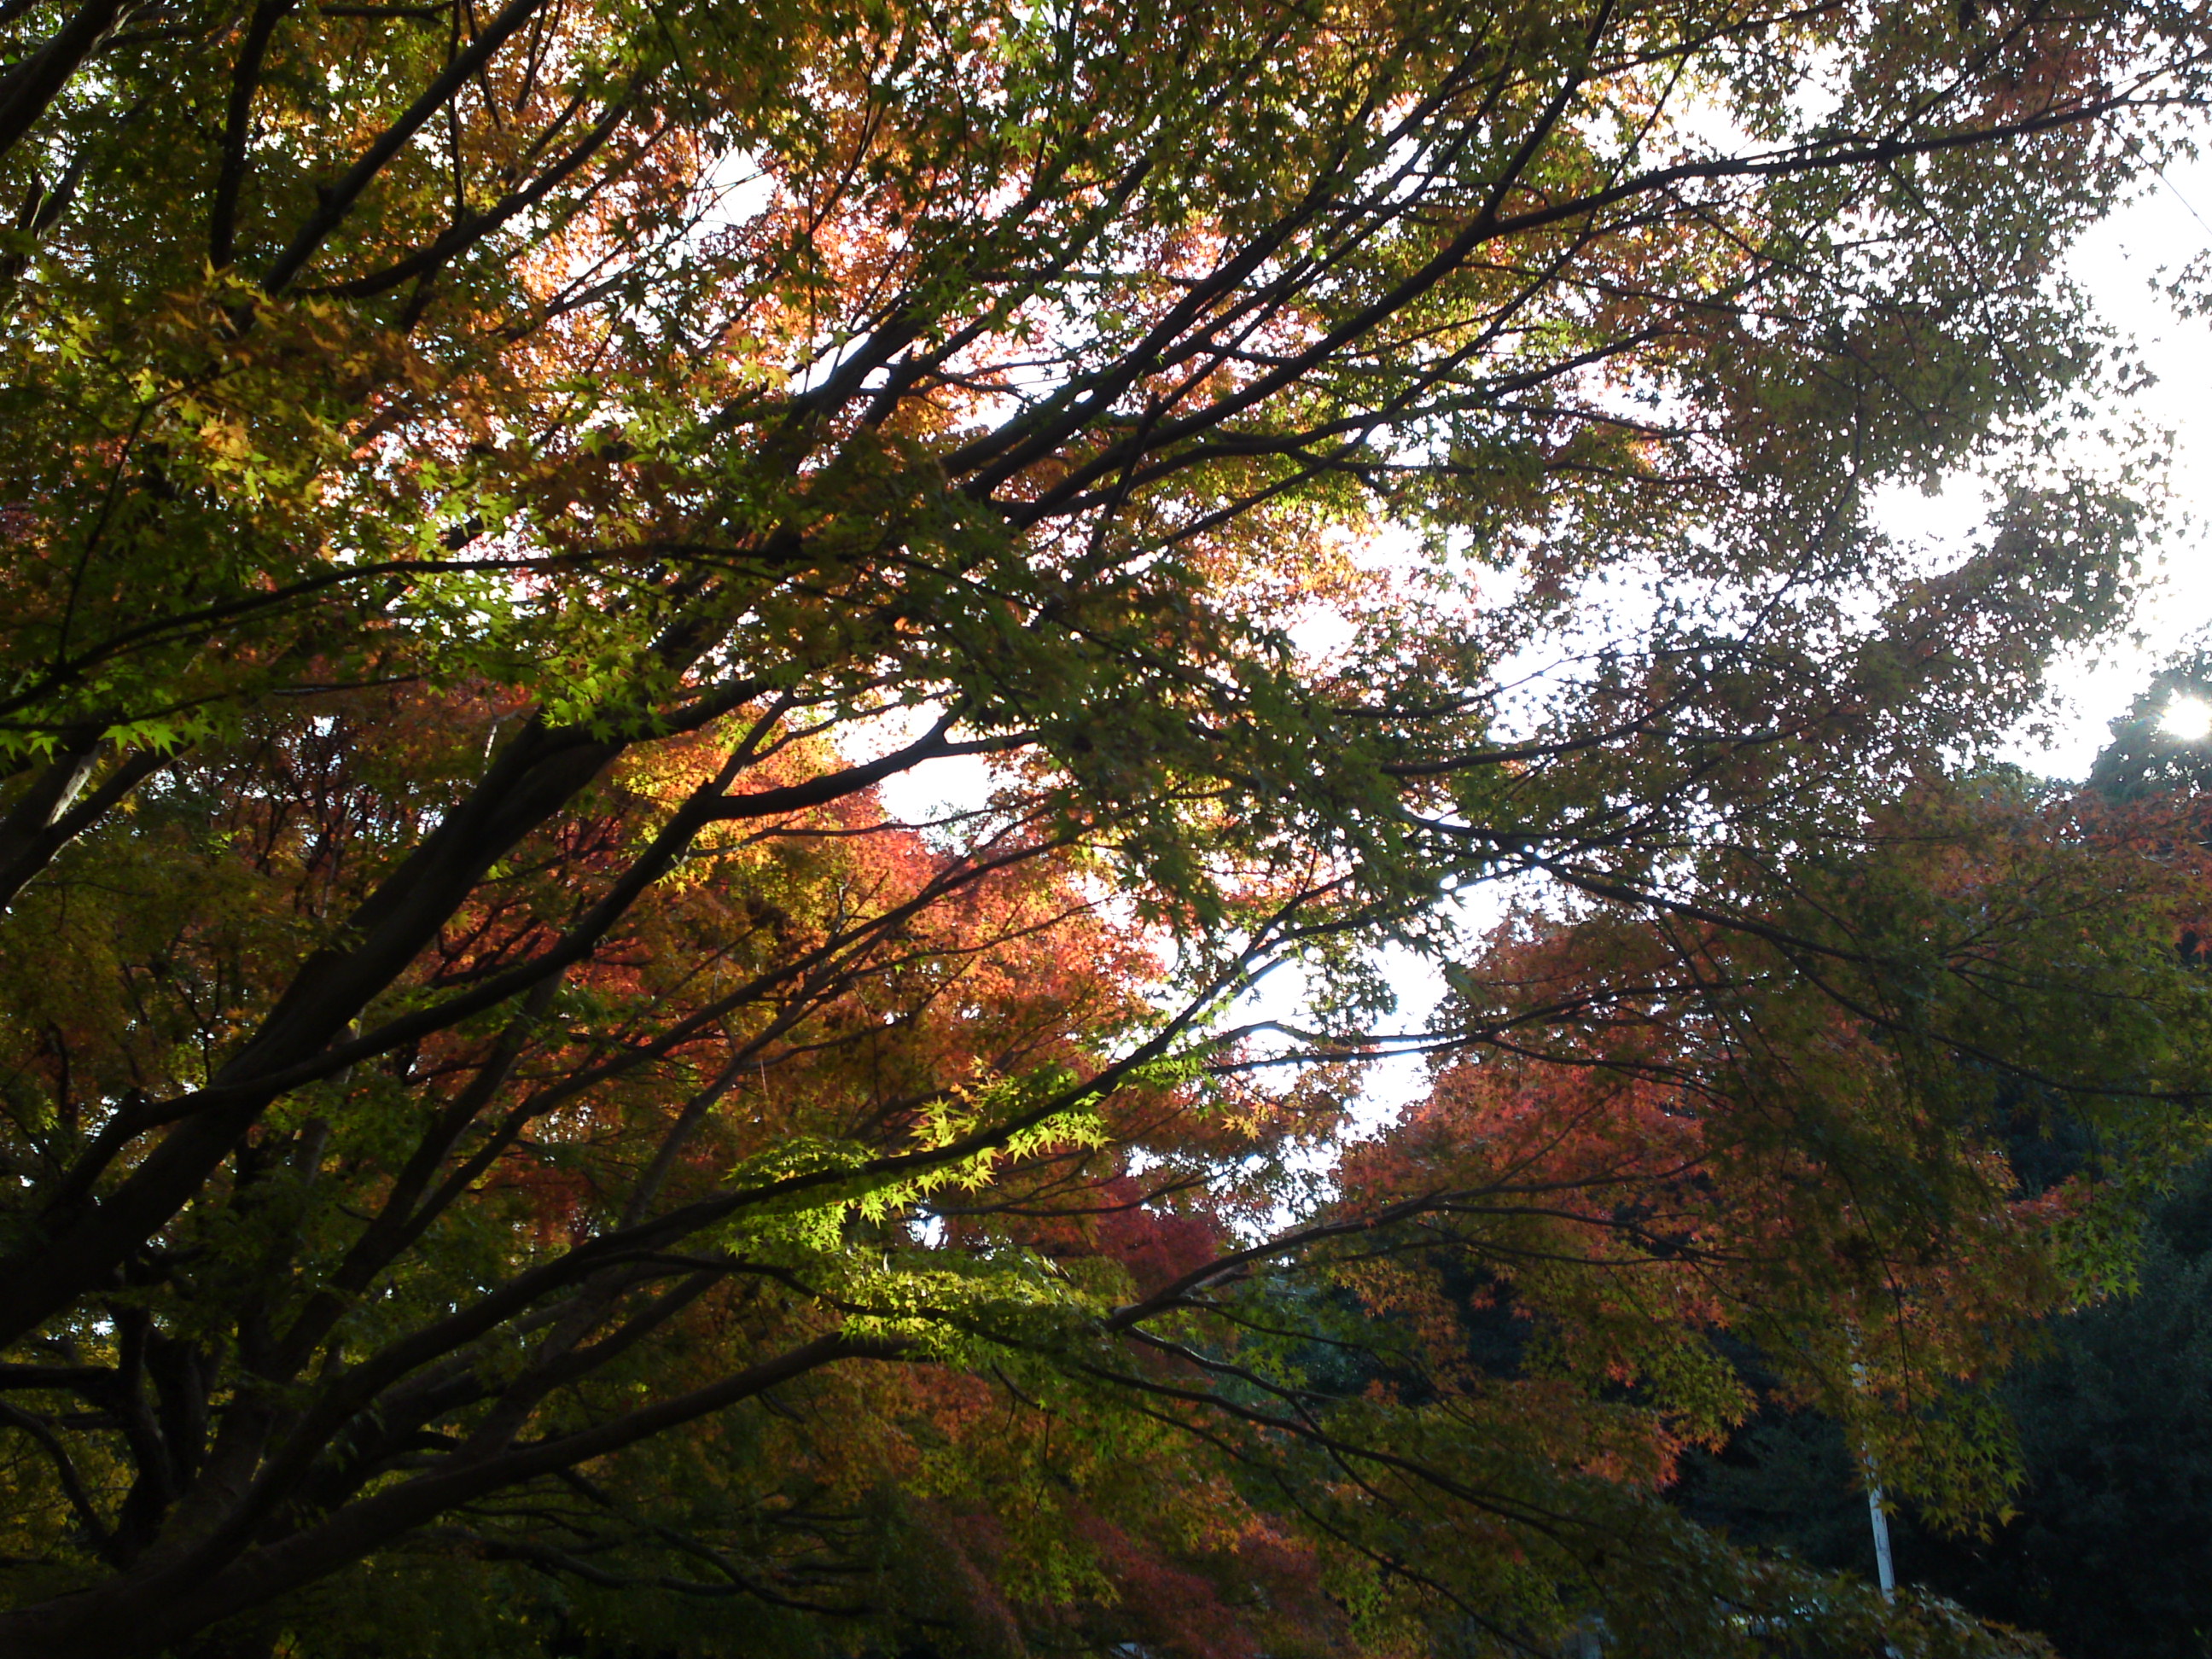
[(930, 790), (937, 788), (1948, 518)]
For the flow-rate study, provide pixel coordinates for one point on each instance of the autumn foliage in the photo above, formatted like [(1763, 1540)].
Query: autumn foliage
[(719, 728)]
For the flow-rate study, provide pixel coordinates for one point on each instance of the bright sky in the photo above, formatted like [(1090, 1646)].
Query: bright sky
[(2189, 719), (2120, 264)]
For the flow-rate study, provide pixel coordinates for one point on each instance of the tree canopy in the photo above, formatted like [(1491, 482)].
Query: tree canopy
[(525, 1134)]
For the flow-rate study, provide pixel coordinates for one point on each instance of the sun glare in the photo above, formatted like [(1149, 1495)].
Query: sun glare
[(2189, 719)]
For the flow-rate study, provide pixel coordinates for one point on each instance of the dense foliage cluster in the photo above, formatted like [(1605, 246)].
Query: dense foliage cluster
[(2102, 1546), (526, 1132)]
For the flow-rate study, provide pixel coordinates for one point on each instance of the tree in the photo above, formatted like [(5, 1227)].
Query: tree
[(2104, 1548), (1731, 1173), (2099, 1544), (492, 496)]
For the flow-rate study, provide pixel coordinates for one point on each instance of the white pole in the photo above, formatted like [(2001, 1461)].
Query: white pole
[(1885, 1569)]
